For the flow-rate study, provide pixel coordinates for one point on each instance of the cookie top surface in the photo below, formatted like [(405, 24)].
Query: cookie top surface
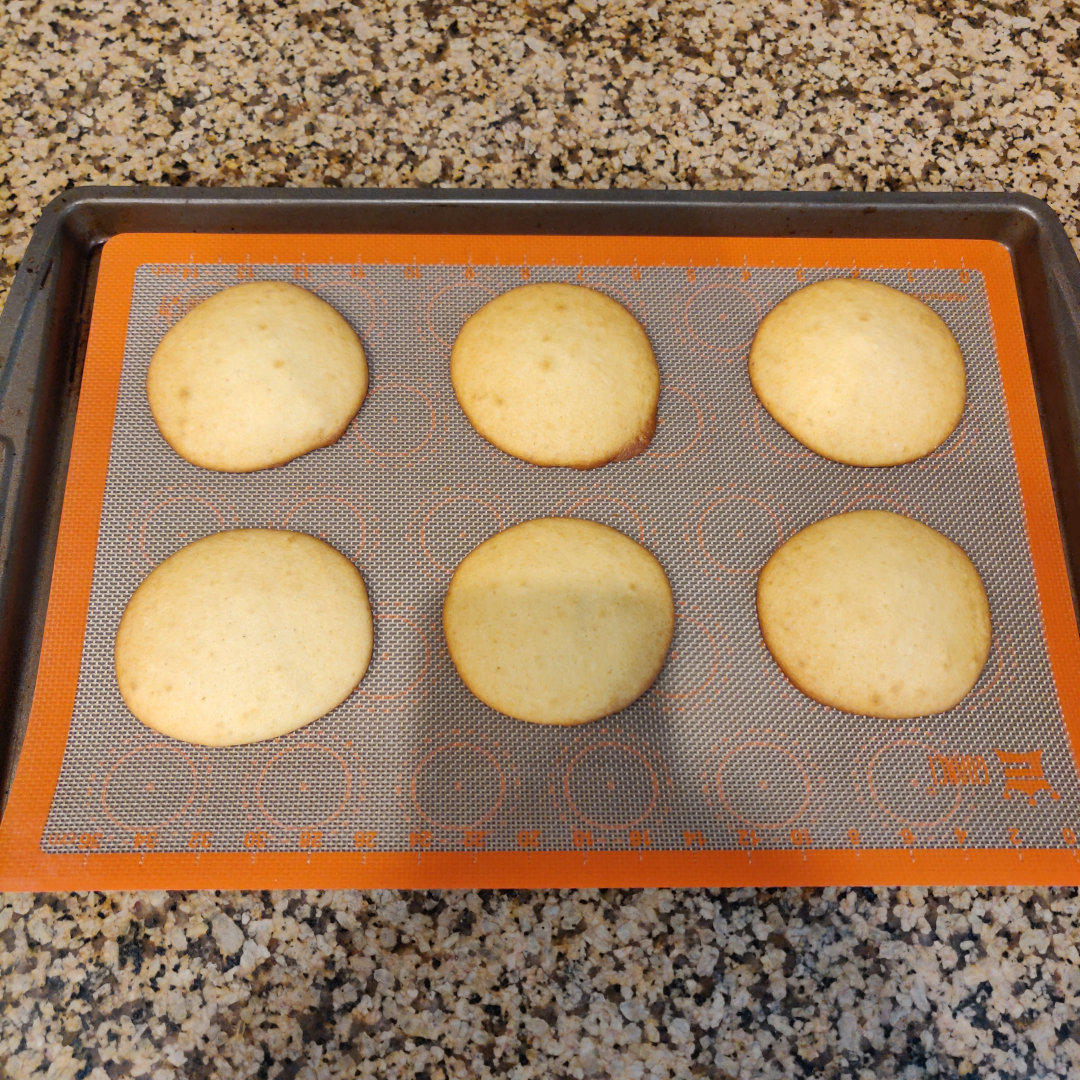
[(557, 374), (255, 376), (859, 372), (874, 613), (558, 621), (243, 636)]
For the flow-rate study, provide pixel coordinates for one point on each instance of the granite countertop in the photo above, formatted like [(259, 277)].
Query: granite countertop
[(656, 983)]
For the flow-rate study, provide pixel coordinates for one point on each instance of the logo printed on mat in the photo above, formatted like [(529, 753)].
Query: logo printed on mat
[(958, 770), (1024, 775)]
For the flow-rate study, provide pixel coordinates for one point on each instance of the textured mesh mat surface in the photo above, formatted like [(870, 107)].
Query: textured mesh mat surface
[(722, 752)]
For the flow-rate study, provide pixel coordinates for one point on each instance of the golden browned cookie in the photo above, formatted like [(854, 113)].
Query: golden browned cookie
[(558, 621), (255, 376), (557, 375), (242, 636), (874, 613), (859, 372)]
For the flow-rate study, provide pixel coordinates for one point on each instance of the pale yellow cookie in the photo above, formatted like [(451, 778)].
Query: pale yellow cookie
[(874, 613), (557, 374), (558, 621), (243, 636), (859, 372), (255, 376)]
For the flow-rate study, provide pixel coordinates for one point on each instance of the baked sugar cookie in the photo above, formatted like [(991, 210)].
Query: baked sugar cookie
[(243, 636), (859, 372), (255, 376), (874, 613), (558, 621), (557, 374)]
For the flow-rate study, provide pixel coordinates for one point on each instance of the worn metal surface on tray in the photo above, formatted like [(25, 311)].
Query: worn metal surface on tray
[(43, 335)]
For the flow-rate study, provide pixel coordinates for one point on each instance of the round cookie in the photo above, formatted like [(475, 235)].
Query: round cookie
[(557, 374), (558, 621), (243, 636), (255, 376), (859, 372), (874, 613)]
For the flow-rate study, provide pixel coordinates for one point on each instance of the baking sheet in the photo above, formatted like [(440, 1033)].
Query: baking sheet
[(722, 771)]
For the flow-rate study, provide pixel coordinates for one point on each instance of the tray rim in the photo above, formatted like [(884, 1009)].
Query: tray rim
[(41, 360)]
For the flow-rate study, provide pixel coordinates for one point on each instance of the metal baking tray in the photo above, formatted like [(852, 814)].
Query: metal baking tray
[(45, 322)]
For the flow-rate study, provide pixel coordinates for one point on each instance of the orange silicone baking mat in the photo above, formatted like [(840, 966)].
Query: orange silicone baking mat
[(722, 773)]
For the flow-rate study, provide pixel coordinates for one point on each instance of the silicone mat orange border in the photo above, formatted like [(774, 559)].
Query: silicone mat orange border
[(23, 863)]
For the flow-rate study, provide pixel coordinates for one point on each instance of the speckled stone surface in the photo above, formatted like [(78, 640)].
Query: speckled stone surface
[(698, 94), (699, 983)]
